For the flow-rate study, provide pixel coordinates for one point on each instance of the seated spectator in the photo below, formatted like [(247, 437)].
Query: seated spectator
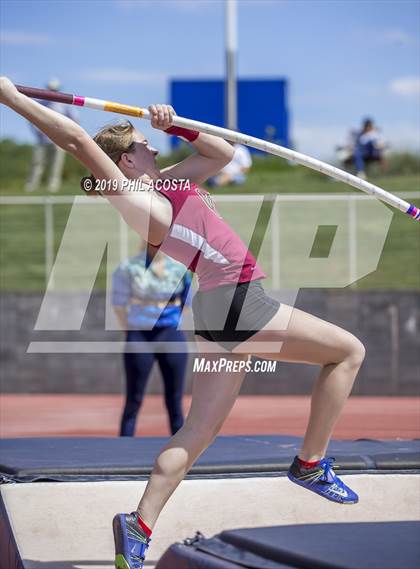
[(369, 147), (234, 172)]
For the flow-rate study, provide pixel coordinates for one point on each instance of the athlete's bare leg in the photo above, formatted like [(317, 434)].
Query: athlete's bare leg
[(302, 337), (213, 396)]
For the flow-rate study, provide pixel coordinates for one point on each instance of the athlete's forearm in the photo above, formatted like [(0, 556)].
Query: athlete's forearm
[(60, 129), (213, 147), (208, 146)]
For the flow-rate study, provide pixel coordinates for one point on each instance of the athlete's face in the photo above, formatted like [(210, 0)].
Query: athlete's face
[(142, 160)]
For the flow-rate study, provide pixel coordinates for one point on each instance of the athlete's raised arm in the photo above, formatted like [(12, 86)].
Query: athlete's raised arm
[(140, 210), (213, 153), (62, 131)]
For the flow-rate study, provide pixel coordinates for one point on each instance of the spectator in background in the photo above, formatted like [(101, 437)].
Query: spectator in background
[(369, 147), (44, 149), (345, 153), (149, 311), (234, 172)]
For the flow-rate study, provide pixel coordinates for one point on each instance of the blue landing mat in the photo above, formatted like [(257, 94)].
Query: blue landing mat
[(102, 458)]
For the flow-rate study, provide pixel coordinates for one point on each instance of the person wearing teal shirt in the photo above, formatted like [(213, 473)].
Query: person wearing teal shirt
[(149, 292)]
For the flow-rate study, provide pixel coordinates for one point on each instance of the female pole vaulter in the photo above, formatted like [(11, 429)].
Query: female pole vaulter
[(229, 279)]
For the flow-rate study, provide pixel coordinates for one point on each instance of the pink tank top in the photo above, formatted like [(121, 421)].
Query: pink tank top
[(201, 240)]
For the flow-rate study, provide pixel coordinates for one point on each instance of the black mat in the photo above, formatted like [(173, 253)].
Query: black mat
[(384, 545), (56, 458)]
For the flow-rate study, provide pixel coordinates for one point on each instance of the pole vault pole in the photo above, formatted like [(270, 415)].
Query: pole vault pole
[(227, 134)]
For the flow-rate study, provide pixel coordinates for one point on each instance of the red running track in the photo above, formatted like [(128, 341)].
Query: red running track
[(98, 415)]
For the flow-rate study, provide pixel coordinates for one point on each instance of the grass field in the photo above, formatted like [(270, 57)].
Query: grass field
[(22, 234)]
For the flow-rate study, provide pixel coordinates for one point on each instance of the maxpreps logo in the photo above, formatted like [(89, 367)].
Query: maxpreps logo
[(208, 200)]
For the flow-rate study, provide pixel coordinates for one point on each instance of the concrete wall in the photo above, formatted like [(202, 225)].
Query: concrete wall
[(388, 322)]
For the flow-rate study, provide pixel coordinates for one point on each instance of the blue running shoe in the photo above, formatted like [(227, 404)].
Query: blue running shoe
[(131, 542), (323, 480)]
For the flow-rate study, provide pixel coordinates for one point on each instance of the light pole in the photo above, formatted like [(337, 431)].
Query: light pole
[(231, 118)]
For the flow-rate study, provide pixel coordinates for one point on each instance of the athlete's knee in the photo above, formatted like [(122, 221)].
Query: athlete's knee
[(348, 349), (357, 352)]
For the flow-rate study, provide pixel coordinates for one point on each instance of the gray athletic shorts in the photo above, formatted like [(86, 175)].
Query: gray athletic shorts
[(230, 314)]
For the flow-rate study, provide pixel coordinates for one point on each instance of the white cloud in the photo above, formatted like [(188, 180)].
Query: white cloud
[(390, 37), (22, 38), (397, 36), (318, 141), (116, 75), (405, 86)]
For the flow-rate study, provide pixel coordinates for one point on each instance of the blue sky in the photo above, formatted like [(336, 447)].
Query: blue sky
[(344, 59)]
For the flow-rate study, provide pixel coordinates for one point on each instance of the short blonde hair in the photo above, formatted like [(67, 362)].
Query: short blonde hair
[(114, 140)]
